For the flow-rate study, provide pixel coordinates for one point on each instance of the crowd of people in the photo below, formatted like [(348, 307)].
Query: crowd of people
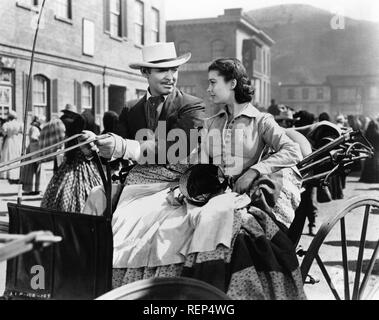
[(303, 121), (236, 239)]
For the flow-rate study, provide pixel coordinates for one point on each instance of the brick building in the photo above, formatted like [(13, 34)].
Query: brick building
[(82, 53), (232, 34), (314, 98), (354, 94), (340, 94)]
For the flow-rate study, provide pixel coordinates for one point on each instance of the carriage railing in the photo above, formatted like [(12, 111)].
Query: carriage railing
[(336, 157)]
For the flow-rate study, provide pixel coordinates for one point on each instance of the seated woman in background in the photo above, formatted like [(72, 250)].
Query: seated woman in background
[(73, 181), (234, 241)]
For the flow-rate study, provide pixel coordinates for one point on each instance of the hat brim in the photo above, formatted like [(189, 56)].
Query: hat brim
[(160, 65), (68, 111)]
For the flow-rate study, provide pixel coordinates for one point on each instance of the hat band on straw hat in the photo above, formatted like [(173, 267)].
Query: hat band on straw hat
[(164, 60)]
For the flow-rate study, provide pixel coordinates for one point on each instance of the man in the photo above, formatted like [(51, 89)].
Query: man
[(145, 124), (273, 108)]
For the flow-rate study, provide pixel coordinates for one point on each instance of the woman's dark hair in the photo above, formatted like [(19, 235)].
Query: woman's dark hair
[(110, 122), (231, 68), (89, 121), (324, 116)]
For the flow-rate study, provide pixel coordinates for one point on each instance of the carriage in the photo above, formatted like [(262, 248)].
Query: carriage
[(80, 267)]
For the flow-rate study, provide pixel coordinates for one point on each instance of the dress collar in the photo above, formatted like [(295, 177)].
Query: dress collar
[(249, 111)]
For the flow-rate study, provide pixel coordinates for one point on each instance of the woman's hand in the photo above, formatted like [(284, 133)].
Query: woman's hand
[(244, 182)]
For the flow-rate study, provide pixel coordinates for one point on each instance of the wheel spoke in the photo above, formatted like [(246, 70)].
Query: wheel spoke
[(327, 277), (344, 259), (369, 270), (362, 244)]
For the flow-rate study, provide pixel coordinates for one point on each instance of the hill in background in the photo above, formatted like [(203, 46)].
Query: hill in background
[(308, 49)]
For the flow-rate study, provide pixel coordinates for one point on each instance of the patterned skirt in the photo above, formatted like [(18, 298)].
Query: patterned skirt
[(71, 185), (261, 263)]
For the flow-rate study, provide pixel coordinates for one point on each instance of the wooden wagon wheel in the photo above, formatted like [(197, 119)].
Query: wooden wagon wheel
[(179, 288), (354, 286)]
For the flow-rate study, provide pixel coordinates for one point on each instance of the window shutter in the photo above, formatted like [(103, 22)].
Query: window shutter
[(78, 95), (124, 19), (25, 89), (54, 96), (107, 13), (98, 100)]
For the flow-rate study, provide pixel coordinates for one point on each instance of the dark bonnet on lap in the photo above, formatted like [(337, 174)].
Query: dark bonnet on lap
[(201, 182)]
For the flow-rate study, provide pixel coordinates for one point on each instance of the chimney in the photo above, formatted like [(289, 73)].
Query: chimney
[(233, 12)]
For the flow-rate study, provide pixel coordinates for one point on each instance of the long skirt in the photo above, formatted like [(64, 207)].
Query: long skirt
[(370, 172), (71, 185), (260, 264)]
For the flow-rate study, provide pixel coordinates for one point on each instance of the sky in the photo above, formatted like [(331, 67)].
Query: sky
[(191, 9)]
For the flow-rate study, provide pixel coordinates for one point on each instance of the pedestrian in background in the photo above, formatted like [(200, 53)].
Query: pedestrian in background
[(31, 174), (370, 172), (52, 132), (12, 131), (71, 184)]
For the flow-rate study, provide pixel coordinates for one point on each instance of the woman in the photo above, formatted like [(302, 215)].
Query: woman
[(52, 133), (71, 184), (225, 243), (370, 172), (110, 122), (12, 131), (31, 174)]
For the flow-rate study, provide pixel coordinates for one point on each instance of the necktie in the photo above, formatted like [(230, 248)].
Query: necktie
[(152, 106)]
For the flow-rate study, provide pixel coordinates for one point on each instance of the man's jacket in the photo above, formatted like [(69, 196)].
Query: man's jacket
[(179, 111)]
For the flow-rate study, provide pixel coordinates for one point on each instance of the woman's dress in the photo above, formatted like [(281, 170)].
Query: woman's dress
[(240, 249), (11, 148)]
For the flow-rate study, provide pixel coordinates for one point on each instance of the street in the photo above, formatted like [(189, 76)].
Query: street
[(329, 253)]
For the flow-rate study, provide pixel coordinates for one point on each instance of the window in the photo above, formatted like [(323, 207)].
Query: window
[(346, 95), (264, 62), (155, 25), (6, 92), (139, 28), (115, 18), (87, 95), (320, 93), (218, 49), (374, 92), (291, 94), (40, 96), (64, 9), (258, 60), (305, 93), (29, 4), (88, 38)]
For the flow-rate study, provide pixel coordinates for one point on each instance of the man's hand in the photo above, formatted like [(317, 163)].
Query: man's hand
[(244, 182), (106, 144), (88, 149)]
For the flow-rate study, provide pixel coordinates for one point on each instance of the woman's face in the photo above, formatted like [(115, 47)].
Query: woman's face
[(220, 91)]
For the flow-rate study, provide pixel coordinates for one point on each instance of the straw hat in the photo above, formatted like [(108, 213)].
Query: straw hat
[(160, 55), (70, 108)]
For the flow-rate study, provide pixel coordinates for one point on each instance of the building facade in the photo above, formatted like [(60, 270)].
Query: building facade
[(340, 94), (314, 98), (355, 94), (232, 34), (82, 53)]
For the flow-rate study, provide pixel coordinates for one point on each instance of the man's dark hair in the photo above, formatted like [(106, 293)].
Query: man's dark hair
[(146, 70)]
